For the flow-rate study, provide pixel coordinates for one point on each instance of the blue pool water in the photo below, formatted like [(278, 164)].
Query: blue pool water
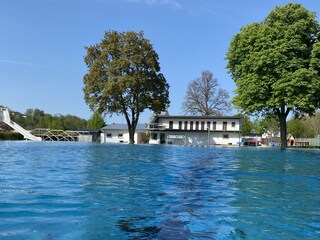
[(55, 190)]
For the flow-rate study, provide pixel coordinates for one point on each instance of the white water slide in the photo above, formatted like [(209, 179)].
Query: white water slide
[(5, 117)]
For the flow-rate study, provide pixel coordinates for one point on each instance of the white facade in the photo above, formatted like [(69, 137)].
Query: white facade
[(118, 133), (195, 130)]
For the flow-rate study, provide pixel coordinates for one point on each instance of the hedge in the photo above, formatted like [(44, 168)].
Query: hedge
[(11, 136)]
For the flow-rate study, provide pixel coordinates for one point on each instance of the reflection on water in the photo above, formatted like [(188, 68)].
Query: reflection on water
[(164, 192), (277, 194), (96, 191)]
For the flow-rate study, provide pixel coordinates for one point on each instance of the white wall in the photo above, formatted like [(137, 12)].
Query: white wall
[(219, 123), (115, 138), (199, 138), (85, 138)]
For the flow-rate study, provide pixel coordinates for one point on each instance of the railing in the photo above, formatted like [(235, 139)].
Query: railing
[(315, 142), (155, 126), (58, 135)]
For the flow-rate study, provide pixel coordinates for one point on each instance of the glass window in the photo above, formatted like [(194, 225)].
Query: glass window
[(154, 136), (225, 136), (224, 126), (120, 135), (180, 125), (233, 124), (202, 126), (214, 126), (171, 125), (186, 125), (197, 125), (109, 135), (191, 125)]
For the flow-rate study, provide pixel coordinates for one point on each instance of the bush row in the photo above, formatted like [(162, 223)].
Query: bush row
[(10, 136)]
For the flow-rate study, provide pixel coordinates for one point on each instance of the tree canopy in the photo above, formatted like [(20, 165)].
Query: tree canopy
[(96, 121), (36, 118), (124, 77), (275, 65), (205, 97)]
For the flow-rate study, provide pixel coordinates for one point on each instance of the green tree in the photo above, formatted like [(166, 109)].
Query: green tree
[(96, 121), (275, 65), (296, 128), (205, 97), (35, 118), (246, 127), (311, 125), (124, 77)]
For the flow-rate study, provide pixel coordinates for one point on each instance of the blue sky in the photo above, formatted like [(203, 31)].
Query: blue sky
[(42, 45)]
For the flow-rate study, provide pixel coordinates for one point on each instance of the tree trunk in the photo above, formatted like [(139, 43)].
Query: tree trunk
[(283, 129), (131, 134)]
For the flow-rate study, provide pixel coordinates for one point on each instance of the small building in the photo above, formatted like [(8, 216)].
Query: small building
[(195, 130), (118, 133), (89, 135)]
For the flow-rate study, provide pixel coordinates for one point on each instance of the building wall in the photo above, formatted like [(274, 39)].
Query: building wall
[(195, 138), (232, 124), (120, 136), (85, 138)]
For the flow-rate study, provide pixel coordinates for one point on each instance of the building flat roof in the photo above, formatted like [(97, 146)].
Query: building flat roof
[(116, 126)]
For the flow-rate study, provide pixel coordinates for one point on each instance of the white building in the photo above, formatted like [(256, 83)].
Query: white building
[(195, 130), (118, 133)]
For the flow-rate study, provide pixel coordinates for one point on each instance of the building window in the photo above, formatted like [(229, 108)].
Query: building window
[(208, 125), (180, 125), (225, 136), (191, 125), (109, 135), (186, 125), (202, 126), (197, 125), (233, 124), (214, 126), (154, 136), (224, 127), (120, 135), (171, 125)]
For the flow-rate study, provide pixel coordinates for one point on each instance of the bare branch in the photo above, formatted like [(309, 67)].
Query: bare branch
[(204, 97)]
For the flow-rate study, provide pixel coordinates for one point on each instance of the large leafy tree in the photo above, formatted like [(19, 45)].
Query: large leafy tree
[(275, 65), (124, 77), (205, 97)]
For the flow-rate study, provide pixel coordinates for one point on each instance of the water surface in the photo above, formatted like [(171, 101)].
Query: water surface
[(59, 190)]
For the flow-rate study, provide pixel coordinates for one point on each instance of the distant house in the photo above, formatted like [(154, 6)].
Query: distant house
[(118, 133), (195, 130)]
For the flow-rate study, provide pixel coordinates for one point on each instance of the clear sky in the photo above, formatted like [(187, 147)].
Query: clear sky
[(42, 45)]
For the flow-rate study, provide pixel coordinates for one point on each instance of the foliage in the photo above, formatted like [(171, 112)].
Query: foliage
[(307, 126), (312, 124), (296, 128), (35, 118), (11, 136), (204, 97), (124, 77), (96, 122), (268, 124), (246, 128), (275, 65)]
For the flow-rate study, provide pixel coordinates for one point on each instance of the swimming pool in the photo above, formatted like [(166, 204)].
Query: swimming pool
[(59, 190)]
